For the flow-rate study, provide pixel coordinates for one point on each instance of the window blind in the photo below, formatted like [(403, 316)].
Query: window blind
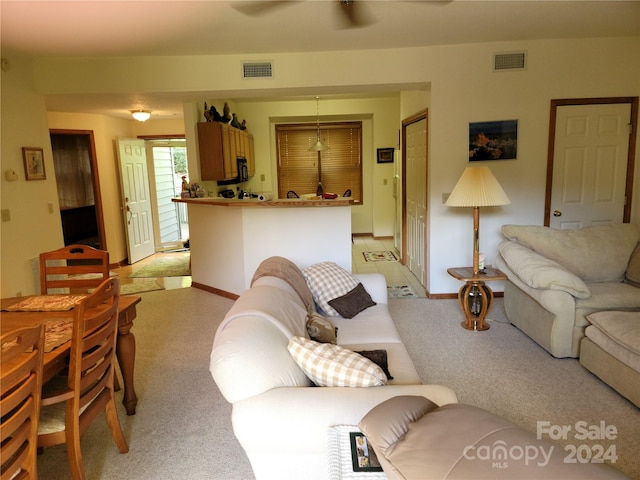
[(339, 168)]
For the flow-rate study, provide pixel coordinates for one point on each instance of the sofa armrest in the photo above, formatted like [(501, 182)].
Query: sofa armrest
[(539, 272), (296, 420), (375, 284)]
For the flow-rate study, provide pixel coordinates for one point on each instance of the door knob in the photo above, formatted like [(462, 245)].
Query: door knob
[(557, 213)]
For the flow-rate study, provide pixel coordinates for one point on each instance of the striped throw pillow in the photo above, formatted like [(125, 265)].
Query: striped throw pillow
[(329, 365)]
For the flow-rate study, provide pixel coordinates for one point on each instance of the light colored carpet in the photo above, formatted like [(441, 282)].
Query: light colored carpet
[(169, 266), (182, 428)]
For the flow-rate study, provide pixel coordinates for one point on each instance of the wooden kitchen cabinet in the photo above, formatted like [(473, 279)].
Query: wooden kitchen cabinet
[(220, 144)]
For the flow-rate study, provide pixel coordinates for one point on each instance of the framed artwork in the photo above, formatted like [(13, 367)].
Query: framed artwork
[(493, 140), (33, 163), (385, 155), (363, 457)]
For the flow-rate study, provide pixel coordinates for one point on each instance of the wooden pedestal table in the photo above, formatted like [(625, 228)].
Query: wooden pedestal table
[(474, 296)]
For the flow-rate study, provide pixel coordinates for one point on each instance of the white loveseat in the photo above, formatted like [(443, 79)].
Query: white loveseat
[(557, 278), (279, 417)]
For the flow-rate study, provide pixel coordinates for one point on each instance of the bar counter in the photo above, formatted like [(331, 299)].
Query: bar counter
[(229, 237)]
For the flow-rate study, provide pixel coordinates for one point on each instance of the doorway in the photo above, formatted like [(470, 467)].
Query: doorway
[(590, 161), (168, 158), (76, 170)]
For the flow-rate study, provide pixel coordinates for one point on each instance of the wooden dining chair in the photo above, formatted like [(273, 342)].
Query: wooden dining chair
[(73, 269), (70, 404), (20, 386)]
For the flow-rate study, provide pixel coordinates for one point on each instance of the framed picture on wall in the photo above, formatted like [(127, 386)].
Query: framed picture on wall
[(33, 163), (385, 155), (493, 140)]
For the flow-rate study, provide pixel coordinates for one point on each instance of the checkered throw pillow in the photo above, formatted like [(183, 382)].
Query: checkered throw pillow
[(327, 280), (329, 365)]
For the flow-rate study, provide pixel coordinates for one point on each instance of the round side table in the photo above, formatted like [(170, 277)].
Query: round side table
[(474, 296)]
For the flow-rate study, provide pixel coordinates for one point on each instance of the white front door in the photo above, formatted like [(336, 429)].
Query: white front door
[(589, 165), (136, 200), (416, 175)]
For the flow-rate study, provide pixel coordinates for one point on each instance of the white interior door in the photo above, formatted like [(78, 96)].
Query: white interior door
[(589, 165), (416, 186), (136, 200)]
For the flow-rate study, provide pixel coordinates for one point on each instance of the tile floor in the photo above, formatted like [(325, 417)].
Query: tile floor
[(395, 273)]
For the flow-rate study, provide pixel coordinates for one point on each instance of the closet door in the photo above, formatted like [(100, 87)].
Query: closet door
[(416, 197)]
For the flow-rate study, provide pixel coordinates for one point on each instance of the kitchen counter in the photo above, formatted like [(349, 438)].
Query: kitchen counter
[(278, 202), (229, 237)]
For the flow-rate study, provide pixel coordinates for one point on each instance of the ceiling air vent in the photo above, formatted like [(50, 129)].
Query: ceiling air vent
[(257, 70), (509, 61)]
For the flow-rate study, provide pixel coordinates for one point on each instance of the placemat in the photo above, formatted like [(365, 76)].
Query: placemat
[(57, 332), (46, 303)]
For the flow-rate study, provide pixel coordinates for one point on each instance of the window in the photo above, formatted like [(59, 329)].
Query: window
[(339, 168)]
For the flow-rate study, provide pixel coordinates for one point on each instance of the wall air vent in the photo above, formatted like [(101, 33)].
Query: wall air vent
[(257, 70), (509, 61)]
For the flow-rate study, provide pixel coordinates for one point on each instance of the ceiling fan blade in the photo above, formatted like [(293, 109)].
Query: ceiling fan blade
[(353, 14), (261, 7)]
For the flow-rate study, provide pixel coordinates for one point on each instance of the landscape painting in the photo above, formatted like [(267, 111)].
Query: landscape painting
[(493, 140)]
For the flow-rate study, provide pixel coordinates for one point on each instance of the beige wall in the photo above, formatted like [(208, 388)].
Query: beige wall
[(461, 88)]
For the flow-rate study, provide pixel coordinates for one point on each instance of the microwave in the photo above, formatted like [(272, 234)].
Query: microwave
[(243, 170)]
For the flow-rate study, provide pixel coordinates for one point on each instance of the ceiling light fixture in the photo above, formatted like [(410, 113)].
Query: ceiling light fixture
[(141, 115), (319, 146)]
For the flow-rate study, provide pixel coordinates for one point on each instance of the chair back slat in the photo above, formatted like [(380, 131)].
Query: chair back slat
[(73, 269), (20, 390)]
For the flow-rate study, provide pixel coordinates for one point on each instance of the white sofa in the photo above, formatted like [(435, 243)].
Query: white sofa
[(279, 417), (557, 278)]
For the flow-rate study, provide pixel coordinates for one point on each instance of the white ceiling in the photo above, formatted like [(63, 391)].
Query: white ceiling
[(211, 27)]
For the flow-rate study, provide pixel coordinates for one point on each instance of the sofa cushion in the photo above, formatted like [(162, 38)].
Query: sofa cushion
[(353, 302), (632, 274), (320, 329), (595, 254), (330, 365), (541, 272), (327, 280)]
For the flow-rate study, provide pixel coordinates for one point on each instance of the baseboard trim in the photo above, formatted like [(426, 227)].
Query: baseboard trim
[(217, 291)]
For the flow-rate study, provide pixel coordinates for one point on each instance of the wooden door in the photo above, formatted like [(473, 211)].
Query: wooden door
[(415, 179), (136, 200), (590, 165)]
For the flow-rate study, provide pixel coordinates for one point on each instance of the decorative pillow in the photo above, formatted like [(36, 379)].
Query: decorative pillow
[(595, 254), (540, 272), (632, 274), (353, 302), (320, 329), (327, 280), (379, 357), (330, 365)]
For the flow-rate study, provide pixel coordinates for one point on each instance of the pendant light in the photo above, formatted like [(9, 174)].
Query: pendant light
[(319, 146)]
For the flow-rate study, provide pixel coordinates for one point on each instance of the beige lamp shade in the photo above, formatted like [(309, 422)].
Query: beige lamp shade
[(477, 187)]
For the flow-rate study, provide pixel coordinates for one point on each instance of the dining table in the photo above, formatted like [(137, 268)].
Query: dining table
[(55, 360)]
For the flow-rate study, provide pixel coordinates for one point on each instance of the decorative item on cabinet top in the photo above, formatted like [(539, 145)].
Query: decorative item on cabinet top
[(211, 115)]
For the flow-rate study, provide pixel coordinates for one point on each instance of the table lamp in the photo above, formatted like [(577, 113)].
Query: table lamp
[(477, 187)]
